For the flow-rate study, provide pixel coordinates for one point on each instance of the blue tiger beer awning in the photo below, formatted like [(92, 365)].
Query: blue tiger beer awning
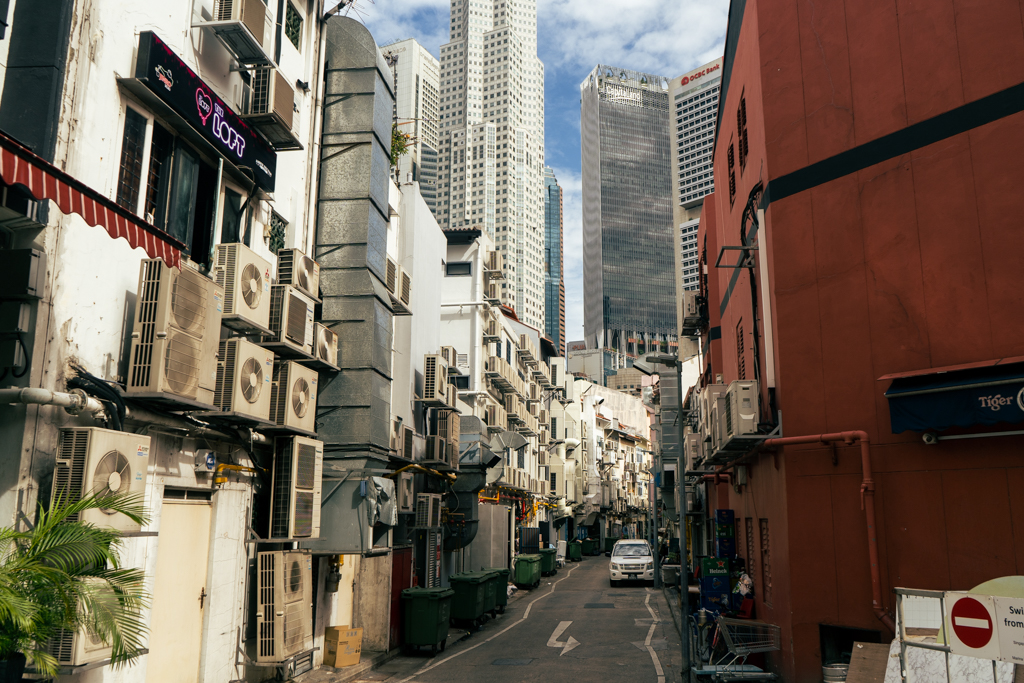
[(985, 393)]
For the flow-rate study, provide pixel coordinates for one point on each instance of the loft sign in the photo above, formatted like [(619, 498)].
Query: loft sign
[(170, 79)]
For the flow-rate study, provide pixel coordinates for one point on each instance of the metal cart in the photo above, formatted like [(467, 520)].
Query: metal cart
[(742, 637)]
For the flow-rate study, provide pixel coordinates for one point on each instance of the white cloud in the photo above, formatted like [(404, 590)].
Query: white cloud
[(391, 20)]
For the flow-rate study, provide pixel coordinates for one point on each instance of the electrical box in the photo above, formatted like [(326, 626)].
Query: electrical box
[(24, 273)]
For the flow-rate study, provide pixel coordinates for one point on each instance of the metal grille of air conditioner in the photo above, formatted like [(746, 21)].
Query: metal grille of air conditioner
[(428, 510), (430, 378), (69, 474), (391, 277), (225, 375), (296, 327), (260, 104), (405, 293), (149, 296), (267, 575), (226, 271), (279, 516), (433, 565), (305, 478)]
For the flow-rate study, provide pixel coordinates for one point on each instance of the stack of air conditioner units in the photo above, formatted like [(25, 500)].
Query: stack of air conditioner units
[(428, 511), (284, 598), (435, 381), (244, 373), (94, 461), (293, 397), (296, 487), (742, 410), (291, 322), (245, 278), (175, 335)]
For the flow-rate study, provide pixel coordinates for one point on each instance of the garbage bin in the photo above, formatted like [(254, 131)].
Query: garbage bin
[(470, 596), (589, 546), (609, 541), (490, 592), (527, 571), (548, 562), (500, 582), (575, 551), (426, 617)]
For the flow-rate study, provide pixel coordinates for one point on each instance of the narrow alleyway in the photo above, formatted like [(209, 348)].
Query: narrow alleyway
[(612, 626)]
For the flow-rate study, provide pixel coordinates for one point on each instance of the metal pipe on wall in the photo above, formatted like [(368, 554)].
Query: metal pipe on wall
[(75, 402), (867, 502)]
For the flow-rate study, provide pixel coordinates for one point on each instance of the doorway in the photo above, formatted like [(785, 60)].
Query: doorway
[(179, 591)]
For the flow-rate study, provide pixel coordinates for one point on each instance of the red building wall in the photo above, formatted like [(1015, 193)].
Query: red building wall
[(905, 264)]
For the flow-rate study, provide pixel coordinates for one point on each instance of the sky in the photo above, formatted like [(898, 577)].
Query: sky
[(664, 37)]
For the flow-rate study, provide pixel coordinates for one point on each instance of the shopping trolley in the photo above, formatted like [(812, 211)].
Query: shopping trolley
[(742, 637)]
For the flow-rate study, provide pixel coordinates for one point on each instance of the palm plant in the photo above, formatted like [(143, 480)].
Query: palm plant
[(65, 574)]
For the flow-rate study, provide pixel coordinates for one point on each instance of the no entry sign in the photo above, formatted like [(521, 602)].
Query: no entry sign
[(971, 625)]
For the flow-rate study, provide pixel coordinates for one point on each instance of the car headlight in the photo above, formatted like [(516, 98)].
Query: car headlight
[(615, 566), (649, 566)]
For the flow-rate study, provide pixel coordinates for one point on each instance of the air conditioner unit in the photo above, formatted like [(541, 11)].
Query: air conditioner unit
[(495, 418), (491, 293), (91, 461), (435, 380), (437, 450), (391, 277), (405, 494), (449, 354), (544, 418), (284, 597), (298, 270), (291, 322), (245, 277), (293, 397), (408, 439), (244, 371), (295, 492), (404, 289), (75, 648), (739, 429), (271, 110), (694, 449), (325, 346), (557, 372), (495, 262), (428, 511), (175, 335), (453, 397), (492, 329), (708, 395), (245, 28)]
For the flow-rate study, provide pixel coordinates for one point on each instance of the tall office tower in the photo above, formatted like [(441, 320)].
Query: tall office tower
[(416, 76), (491, 154), (693, 100), (554, 283), (628, 277)]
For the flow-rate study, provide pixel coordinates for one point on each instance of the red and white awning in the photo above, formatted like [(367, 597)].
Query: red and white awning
[(19, 166)]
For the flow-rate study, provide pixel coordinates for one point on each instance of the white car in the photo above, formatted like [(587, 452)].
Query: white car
[(632, 560)]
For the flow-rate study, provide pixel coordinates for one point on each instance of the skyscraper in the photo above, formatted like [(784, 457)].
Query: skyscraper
[(694, 105), (491, 148), (628, 276), (416, 76), (554, 283)]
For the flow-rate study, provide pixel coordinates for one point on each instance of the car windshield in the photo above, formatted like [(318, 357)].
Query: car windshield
[(632, 550)]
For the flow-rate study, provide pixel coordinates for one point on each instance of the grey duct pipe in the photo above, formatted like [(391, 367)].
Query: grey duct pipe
[(75, 402), (467, 489)]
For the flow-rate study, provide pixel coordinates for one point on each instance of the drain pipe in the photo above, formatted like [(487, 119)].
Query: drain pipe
[(75, 402), (867, 502)]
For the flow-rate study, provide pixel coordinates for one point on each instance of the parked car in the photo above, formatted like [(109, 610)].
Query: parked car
[(632, 560)]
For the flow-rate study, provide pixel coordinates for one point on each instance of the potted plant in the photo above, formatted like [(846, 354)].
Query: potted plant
[(66, 574)]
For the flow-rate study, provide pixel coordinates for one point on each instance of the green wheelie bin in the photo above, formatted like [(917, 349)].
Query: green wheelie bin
[(548, 561), (427, 611), (470, 599), (609, 541), (589, 546), (500, 582), (527, 571), (575, 551)]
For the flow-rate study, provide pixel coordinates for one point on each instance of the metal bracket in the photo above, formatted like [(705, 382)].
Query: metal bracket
[(746, 258)]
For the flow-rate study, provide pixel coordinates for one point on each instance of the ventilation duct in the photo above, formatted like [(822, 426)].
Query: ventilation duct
[(352, 217)]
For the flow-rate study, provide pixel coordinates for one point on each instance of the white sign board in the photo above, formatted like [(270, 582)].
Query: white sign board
[(985, 626), (1010, 626)]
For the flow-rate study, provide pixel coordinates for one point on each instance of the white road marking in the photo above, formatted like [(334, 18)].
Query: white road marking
[(647, 643), (432, 665), (568, 645)]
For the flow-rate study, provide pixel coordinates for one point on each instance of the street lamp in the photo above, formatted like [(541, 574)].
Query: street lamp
[(672, 360)]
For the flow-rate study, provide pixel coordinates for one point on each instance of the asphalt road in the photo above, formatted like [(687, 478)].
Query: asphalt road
[(623, 632)]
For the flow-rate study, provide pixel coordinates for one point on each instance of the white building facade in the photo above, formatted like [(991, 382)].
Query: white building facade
[(491, 141)]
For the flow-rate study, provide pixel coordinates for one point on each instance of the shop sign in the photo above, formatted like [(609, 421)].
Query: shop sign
[(175, 83)]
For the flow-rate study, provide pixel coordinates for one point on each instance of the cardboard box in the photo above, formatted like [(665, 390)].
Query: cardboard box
[(342, 646), (714, 566)]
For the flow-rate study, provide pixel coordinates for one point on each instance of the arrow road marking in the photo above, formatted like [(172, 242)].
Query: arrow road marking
[(568, 645)]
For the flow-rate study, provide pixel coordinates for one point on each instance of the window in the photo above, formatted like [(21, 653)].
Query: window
[(293, 26), (130, 177), (459, 269), (732, 173), (741, 131)]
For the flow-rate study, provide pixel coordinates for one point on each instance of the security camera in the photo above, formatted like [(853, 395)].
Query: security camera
[(930, 438), (599, 401)]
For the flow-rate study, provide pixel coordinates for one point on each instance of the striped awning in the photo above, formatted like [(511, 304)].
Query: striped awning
[(43, 180)]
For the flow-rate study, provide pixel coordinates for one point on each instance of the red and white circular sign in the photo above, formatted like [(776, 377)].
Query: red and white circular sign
[(971, 622)]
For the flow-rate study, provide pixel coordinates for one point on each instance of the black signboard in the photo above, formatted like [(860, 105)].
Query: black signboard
[(175, 83)]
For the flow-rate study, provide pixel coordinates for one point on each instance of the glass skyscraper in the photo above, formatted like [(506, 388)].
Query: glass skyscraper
[(628, 243), (554, 282)]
